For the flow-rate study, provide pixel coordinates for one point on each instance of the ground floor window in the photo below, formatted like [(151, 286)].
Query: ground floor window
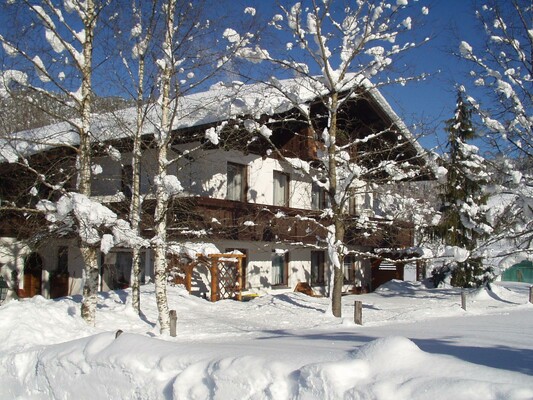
[(59, 279), (280, 263), (317, 267), (116, 269), (3, 289), (349, 269), (62, 260)]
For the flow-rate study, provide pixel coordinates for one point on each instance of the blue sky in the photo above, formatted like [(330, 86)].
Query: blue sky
[(431, 101), (434, 99)]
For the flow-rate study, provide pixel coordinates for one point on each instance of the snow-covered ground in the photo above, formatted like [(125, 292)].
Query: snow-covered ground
[(415, 343)]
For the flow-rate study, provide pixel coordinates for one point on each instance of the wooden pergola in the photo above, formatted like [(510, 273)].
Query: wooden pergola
[(225, 270)]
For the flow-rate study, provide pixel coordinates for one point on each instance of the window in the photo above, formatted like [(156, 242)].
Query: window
[(317, 267), (352, 205), (319, 197), (281, 189), (360, 203), (4, 288), (237, 184), (280, 263), (349, 268), (126, 182), (62, 260)]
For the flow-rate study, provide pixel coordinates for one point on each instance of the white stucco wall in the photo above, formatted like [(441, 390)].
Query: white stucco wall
[(205, 174), (259, 264)]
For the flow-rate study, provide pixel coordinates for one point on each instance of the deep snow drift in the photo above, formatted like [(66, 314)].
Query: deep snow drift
[(416, 343)]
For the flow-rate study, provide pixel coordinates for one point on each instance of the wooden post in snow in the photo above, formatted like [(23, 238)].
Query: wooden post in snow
[(173, 322), (358, 312), (463, 300), (531, 294), (239, 279), (214, 280)]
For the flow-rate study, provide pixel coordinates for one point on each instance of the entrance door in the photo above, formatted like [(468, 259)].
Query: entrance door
[(33, 273)]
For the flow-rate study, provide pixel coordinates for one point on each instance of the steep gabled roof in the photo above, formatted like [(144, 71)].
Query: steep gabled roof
[(221, 102)]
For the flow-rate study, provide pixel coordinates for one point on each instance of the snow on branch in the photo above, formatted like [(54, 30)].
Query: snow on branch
[(91, 219)]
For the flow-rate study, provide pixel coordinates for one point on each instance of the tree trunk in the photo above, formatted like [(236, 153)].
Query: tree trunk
[(162, 197), (160, 259), (136, 280), (89, 253), (338, 273), (335, 243), (135, 207), (160, 266), (90, 288)]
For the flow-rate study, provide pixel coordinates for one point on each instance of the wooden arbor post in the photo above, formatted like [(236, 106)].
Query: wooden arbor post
[(214, 278)]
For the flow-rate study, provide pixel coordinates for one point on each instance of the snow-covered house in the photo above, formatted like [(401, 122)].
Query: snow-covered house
[(237, 192)]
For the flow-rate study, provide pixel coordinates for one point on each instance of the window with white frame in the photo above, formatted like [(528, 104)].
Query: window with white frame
[(349, 268), (237, 182), (319, 197), (280, 264), (281, 189)]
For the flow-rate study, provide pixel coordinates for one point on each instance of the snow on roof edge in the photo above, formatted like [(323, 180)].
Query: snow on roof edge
[(219, 103), (387, 108)]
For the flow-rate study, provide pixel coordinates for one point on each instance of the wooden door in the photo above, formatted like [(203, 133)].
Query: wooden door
[(33, 273)]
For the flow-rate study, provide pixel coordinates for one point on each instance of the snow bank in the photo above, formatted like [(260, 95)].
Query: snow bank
[(133, 366), (234, 350)]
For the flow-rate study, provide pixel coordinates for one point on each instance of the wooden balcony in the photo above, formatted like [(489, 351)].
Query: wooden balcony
[(233, 220), (216, 219)]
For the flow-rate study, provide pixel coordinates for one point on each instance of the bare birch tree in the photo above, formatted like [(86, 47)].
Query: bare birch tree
[(188, 58), (72, 48), (334, 50)]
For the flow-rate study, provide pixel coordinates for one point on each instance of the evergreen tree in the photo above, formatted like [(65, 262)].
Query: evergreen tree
[(463, 223)]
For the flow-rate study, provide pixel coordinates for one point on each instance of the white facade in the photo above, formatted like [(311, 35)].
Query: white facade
[(201, 173)]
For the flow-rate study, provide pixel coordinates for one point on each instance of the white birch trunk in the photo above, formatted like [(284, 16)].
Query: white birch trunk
[(160, 259), (136, 280), (90, 287), (135, 207), (160, 214), (334, 243), (89, 253)]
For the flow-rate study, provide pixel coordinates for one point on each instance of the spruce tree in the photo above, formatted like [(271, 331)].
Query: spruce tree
[(463, 223)]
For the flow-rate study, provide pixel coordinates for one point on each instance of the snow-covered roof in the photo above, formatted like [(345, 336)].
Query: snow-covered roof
[(221, 102)]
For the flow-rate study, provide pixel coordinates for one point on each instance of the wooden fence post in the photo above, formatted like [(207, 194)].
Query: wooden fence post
[(531, 294), (214, 280), (173, 322), (463, 300), (358, 312)]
